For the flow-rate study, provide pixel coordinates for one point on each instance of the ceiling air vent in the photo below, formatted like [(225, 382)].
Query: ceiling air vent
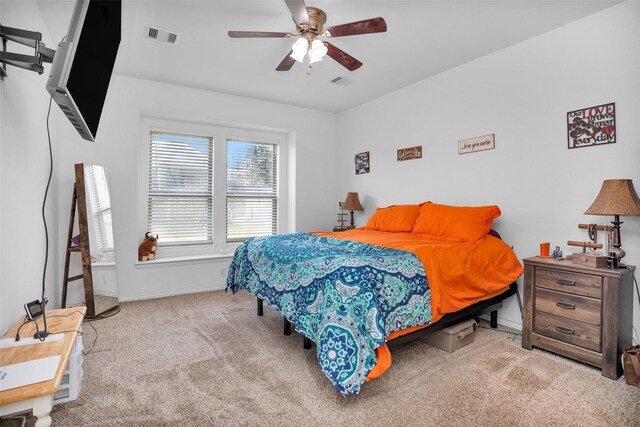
[(342, 81), (162, 35)]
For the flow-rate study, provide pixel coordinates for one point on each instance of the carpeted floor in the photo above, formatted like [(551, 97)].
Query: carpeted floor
[(208, 360)]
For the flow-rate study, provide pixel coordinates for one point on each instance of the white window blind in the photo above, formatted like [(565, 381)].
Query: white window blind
[(100, 205), (252, 190), (180, 205)]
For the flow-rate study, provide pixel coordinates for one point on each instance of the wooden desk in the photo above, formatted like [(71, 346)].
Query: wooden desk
[(39, 396)]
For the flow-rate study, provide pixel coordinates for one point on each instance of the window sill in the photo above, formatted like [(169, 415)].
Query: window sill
[(181, 261)]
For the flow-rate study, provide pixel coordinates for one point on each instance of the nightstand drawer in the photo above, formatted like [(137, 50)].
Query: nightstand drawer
[(566, 281), (573, 307), (567, 330)]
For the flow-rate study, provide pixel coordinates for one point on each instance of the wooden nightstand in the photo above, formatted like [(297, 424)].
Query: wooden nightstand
[(581, 312)]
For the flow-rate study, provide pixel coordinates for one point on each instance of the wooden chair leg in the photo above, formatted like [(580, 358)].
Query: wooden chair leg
[(287, 326)]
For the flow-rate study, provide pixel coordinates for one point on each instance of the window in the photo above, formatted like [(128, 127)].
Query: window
[(251, 190), (180, 197), (205, 188)]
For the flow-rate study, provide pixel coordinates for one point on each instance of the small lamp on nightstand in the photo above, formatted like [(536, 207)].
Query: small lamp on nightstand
[(617, 197), (352, 203)]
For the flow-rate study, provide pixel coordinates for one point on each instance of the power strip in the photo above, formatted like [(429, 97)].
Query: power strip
[(11, 342)]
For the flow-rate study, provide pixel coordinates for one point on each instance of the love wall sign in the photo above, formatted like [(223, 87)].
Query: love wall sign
[(592, 126)]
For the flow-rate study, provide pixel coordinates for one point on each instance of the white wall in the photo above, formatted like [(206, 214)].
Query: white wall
[(312, 153), (521, 94), (24, 169), (24, 159)]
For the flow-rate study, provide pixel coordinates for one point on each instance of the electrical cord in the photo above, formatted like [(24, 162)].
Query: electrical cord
[(637, 290), (89, 322), (43, 335), (27, 320), (37, 335), (94, 341), (93, 345), (105, 316), (637, 293), (515, 334), (66, 315), (101, 317)]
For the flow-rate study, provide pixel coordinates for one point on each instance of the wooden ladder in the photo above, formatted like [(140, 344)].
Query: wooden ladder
[(78, 202)]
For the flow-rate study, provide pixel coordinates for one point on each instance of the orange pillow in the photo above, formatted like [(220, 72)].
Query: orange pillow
[(455, 223), (395, 218)]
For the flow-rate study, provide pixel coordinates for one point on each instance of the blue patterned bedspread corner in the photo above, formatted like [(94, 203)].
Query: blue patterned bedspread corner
[(345, 296)]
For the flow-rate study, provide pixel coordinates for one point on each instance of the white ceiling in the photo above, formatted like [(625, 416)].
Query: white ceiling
[(424, 38)]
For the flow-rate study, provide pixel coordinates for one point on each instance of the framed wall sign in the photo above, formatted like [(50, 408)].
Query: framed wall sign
[(410, 153), (477, 143), (362, 163), (592, 126)]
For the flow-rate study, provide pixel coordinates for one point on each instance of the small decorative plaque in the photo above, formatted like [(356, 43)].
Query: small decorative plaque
[(592, 126), (478, 143), (362, 163), (410, 153)]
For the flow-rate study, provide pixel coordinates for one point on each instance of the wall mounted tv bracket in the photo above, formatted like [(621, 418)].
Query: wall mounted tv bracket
[(28, 62)]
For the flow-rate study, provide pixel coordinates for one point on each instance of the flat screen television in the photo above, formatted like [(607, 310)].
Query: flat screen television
[(83, 63)]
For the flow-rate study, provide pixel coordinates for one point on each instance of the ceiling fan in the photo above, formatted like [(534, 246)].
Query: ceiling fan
[(309, 27)]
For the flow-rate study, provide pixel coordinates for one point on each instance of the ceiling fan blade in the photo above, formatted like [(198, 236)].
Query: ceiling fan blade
[(298, 11), (368, 26), (286, 63), (253, 34), (342, 57)]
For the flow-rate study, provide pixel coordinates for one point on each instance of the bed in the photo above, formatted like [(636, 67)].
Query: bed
[(410, 267)]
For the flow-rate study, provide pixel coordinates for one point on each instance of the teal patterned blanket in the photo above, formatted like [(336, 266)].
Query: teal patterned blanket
[(345, 296)]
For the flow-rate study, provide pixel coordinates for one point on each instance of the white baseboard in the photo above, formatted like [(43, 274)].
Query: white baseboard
[(103, 293), (508, 323), (171, 294)]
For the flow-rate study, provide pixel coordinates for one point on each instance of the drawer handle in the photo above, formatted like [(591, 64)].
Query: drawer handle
[(564, 330), (566, 282), (566, 305)]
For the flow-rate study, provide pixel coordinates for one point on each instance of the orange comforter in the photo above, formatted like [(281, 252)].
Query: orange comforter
[(459, 274)]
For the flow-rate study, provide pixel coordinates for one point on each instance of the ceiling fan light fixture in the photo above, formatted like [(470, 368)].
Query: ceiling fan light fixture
[(300, 48), (297, 56), (317, 51)]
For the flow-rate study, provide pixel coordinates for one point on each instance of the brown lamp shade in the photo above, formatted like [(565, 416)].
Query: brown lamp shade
[(616, 197), (352, 203)]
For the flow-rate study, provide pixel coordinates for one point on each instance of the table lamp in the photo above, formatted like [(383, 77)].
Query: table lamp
[(617, 197), (352, 203)]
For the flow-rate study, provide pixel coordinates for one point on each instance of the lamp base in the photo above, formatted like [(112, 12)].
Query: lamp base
[(617, 252)]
